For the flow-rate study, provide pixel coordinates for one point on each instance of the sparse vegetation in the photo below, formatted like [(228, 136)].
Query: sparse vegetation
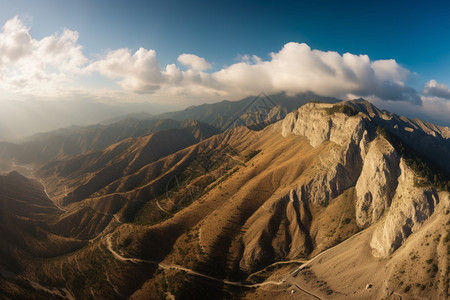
[(428, 172), (447, 238), (434, 268), (252, 154), (343, 108), (346, 221), (222, 179)]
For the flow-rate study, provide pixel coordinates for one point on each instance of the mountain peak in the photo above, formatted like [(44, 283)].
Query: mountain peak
[(16, 175), (341, 122)]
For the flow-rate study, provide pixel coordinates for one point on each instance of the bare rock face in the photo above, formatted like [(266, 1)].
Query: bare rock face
[(313, 121), (429, 139), (377, 183), (410, 208), (343, 163), (386, 196)]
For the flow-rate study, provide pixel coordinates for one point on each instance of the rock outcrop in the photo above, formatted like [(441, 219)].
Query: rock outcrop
[(377, 182), (382, 180), (410, 208), (319, 123)]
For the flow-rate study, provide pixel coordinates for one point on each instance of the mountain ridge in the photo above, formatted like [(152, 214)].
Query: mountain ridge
[(289, 206)]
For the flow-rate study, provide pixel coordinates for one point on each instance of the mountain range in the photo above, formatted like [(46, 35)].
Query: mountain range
[(309, 198)]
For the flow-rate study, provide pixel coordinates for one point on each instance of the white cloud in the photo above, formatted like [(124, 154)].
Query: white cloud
[(437, 109), (38, 67), (194, 62), (434, 89), (15, 41), (296, 68), (61, 51), (138, 72)]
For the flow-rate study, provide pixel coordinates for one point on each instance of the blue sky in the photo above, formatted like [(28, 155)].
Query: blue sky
[(224, 34)]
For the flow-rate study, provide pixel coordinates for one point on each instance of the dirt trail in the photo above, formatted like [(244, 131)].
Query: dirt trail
[(48, 196), (188, 271), (195, 273)]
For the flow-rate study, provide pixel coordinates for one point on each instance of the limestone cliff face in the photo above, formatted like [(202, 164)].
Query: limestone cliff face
[(342, 164), (377, 182), (354, 157), (410, 208), (314, 121)]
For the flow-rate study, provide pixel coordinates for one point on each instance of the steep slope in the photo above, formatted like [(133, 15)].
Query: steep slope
[(25, 211), (325, 203), (88, 174), (431, 141)]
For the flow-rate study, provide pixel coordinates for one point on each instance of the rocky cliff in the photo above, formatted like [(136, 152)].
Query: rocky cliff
[(387, 189)]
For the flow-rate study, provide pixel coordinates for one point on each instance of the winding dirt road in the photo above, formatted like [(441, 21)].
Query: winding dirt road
[(48, 196), (195, 273), (188, 271), (295, 272)]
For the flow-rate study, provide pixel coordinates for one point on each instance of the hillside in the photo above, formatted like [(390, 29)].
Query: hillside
[(334, 201), (25, 212)]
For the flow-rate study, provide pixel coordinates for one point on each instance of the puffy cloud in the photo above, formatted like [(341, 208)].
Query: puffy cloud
[(194, 62), (139, 72), (15, 41), (51, 66), (435, 110), (38, 67), (434, 89), (61, 51)]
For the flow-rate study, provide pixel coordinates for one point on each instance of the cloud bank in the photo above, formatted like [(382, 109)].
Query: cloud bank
[(296, 68), (55, 65)]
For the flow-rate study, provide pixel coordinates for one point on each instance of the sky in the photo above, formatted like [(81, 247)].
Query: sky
[(179, 53)]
